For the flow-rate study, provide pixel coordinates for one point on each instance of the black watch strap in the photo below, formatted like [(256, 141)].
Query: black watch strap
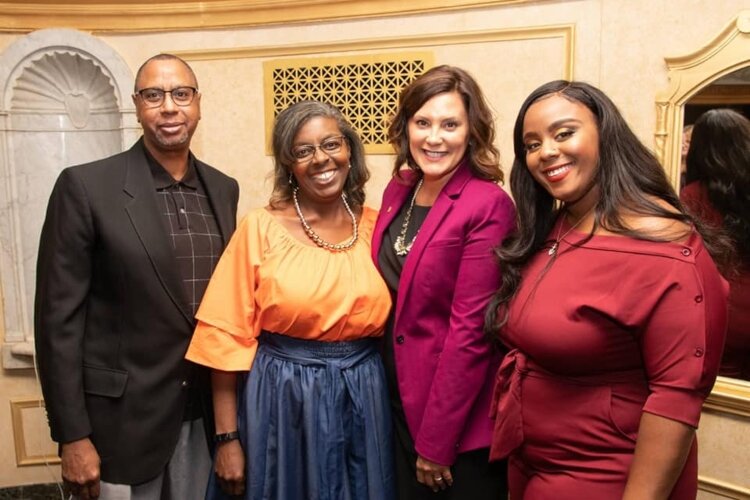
[(225, 437)]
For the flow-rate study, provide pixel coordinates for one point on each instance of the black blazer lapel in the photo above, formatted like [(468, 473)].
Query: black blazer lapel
[(145, 216)]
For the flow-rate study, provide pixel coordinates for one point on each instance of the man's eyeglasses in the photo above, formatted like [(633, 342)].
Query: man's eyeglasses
[(331, 146), (181, 96)]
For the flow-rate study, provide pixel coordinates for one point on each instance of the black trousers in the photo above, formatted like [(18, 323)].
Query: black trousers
[(474, 478)]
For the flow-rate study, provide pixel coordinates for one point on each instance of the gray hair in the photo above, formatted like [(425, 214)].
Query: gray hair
[(285, 129)]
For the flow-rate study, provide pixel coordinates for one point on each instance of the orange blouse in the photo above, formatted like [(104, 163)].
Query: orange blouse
[(269, 280)]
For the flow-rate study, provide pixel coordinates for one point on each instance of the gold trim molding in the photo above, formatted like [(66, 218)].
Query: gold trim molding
[(23, 457), (688, 74), (144, 15), (566, 32), (722, 488), (730, 396)]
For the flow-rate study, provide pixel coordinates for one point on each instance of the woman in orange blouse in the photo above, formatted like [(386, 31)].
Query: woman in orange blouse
[(297, 304)]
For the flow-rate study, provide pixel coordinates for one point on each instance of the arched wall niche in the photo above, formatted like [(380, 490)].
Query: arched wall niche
[(64, 100)]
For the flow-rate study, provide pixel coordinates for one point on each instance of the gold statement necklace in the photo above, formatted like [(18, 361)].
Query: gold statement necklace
[(553, 249), (400, 246), (336, 247)]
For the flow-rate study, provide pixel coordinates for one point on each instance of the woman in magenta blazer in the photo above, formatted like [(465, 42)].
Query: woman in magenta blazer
[(441, 215)]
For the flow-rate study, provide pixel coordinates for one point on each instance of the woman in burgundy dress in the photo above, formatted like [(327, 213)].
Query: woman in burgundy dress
[(611, 306), (717, 192)]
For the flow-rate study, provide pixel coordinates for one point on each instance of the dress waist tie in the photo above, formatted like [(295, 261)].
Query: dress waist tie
[(506, 406)]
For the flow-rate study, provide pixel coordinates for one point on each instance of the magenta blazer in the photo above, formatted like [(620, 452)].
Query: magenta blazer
[(444, 362)]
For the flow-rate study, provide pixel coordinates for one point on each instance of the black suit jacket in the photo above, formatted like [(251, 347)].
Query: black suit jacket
[(112, 323)]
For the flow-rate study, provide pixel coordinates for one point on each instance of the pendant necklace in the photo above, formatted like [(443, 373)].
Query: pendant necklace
[(336, 247), (553, 249), (400, 246)]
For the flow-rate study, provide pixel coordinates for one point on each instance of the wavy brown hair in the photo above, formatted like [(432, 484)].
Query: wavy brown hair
[(484, 158)]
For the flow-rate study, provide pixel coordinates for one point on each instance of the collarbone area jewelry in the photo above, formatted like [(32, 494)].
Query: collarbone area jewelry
[(556, 245), (336, 247), (400, 246)]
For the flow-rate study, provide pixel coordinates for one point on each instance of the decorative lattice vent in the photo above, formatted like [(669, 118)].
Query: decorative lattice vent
[(365, 89)]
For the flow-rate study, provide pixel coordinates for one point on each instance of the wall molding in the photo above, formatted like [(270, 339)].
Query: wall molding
[(564, 31), (722, 488), (23, 456), (730, 396), (143, 15)]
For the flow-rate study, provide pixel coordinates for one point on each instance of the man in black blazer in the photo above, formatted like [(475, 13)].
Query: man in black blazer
[(128, 245)]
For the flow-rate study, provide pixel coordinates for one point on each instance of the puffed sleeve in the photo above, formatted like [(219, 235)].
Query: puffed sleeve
[(225, 337), (683, 339)]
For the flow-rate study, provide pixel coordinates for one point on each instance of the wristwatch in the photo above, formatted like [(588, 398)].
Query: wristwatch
[(226, 437)]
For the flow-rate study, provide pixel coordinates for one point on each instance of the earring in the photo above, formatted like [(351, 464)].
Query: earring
[(291, 179), (349, 166)]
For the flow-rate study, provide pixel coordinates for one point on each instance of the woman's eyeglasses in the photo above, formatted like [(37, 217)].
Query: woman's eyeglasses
[(331, 146)]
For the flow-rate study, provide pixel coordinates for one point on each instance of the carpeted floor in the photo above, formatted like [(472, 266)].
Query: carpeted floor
[(31, 492)]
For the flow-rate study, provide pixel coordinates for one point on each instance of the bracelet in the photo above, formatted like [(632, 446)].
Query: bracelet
[(226, 437)]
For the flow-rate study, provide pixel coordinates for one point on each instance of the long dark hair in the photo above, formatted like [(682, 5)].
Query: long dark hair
[(719, 158), (484, 158), (285, 129), (628, 177)]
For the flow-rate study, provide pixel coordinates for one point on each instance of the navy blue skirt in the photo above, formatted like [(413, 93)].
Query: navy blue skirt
[(314, 421)]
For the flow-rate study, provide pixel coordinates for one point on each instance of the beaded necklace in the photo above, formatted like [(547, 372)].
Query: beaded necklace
[(336, 247)]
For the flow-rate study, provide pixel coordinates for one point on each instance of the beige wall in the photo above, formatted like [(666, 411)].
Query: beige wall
[(619, 46)]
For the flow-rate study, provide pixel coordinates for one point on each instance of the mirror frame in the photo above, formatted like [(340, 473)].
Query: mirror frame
[(688, 74)]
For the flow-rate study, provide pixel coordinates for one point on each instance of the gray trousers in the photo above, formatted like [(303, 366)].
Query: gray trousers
[(184, 478)]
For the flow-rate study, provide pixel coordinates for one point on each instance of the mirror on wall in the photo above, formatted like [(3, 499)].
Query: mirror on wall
[(731, 91), (716, 75)]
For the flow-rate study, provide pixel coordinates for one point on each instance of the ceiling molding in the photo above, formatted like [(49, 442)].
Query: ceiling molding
[(123, 16)]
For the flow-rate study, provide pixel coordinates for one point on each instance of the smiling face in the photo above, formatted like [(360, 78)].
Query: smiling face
[(322, 176), (561, 140), (439, 135), (168, 127)]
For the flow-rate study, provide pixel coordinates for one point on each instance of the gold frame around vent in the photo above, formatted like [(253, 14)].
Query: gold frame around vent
[(364, 87)]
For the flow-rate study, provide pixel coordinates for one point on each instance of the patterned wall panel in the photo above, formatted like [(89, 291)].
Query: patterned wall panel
[(364, 88)]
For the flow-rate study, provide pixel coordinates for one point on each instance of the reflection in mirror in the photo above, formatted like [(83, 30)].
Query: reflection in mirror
[(689, 75), (731, 91), (716, 192)]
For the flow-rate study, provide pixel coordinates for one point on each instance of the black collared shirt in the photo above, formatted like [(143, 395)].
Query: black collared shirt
[(191, 227)]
